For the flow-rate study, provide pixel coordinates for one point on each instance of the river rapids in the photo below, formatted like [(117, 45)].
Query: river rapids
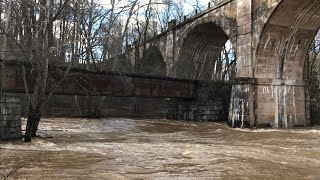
[(119, 148)]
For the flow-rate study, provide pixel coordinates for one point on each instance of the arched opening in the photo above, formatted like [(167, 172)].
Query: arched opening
[(281, 90), (312, 74), (205, 54), (121, 64), (286, 38), (152, 63)]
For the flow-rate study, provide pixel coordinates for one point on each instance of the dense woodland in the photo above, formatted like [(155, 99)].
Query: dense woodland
[(92, 34)]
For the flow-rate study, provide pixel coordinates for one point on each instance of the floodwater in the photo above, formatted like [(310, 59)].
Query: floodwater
[(161, 149)]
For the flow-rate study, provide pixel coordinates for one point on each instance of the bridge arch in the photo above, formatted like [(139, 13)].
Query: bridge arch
[(279, 63), (152, 62), (200, 45), (227, 25), (286, 38)]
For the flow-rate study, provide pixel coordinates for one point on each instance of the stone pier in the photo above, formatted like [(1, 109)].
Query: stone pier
[(10, 118), (210, 103), (193, 110)]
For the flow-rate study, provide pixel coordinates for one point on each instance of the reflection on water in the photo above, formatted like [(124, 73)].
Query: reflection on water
[(162, 149)]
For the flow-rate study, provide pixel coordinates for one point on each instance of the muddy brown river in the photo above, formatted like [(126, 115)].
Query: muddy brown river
[(161, 149)]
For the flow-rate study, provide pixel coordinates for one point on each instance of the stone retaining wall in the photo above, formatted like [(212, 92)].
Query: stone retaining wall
[(192, 110), (10, 118)]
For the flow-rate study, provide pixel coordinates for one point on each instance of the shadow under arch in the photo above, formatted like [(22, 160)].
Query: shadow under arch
[(199, 50), (227, 24), (152, 63)]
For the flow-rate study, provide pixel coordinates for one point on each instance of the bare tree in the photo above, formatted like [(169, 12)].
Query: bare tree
[(31, 39)]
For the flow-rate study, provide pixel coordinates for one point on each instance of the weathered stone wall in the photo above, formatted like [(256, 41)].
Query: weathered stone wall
[(192, 110), (281, 104), (97, 83), (210, 104), (97, 106), (240, 111), (102, 106), (10, 118)]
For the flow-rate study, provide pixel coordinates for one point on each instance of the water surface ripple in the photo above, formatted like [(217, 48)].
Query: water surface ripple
[(121, 148)]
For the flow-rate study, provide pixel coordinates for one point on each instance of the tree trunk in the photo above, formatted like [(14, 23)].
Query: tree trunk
[(36, 124), (30, 123)]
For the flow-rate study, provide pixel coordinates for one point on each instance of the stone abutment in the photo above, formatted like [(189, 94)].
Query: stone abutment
[(10, 118)]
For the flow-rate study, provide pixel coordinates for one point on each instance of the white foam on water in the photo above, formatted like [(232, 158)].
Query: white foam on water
[(305, 131), (257, 130)]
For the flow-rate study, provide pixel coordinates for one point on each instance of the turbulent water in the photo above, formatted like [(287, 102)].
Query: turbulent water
[(161, 149)]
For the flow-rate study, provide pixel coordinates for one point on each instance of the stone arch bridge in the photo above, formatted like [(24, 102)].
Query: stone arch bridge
[(271, 40)]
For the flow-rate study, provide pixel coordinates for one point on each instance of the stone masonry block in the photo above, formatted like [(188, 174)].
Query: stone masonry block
[(9, 123), (9, 99), (243, 20), (10, 118), (244, 39), (244, 7), (9, 105), (6, 111), (244, 29)]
